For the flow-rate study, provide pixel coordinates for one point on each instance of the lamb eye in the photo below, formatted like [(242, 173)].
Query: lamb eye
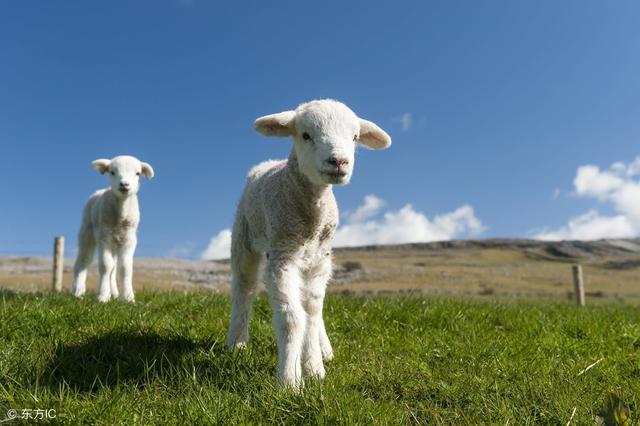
[(112, 173), (138, 174), (306, 136)]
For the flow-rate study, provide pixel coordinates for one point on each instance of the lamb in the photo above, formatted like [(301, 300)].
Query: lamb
[(288, 215), (109, 222)]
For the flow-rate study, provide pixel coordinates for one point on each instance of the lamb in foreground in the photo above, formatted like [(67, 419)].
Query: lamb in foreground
[(288, 215), (109, 222)]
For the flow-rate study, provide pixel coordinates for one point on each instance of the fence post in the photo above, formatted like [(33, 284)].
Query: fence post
[(58, 262), (578, 283)]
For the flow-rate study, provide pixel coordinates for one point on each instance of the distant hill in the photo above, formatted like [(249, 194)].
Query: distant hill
[(565, 249), (464, 267)]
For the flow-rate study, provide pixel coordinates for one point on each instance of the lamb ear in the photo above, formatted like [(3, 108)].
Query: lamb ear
[(101, 165), (147, 170), (373, 136), (280, 124)]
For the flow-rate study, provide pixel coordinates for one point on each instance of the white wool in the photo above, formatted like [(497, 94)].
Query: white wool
[(109, 223), (287, 217)]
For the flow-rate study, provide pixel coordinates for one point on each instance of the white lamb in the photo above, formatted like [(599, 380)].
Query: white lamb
[(288, 212), (109, 221)]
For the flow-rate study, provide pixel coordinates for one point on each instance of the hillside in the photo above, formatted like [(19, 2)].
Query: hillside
[(471, 267)]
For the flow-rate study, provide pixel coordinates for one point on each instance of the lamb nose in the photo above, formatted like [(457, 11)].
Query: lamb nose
[(337, 162), (124, 184)]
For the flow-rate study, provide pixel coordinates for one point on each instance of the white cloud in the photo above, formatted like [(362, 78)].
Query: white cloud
[(591, 226), (406, 121), (404, 226), (219, 246), (591, 182), (614, 186), (556, 194), (634, 168), (181, 250), (369, 208)]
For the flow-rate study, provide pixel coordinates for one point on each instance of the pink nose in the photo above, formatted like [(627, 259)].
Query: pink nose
[(337, 162)]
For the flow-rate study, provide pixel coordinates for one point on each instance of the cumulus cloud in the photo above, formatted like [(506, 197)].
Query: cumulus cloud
[(591, 226), (370, 207), (369, 225), (617, 187), (405, 225), (219, 246)]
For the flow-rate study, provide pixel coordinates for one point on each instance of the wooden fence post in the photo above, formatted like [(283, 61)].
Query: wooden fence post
[(58, 262), (578, 283)]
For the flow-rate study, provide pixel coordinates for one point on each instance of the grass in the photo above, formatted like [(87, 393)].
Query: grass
[(399, 360)]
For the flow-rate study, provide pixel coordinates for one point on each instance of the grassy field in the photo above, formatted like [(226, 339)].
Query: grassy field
[(485, 272), (399, 360)]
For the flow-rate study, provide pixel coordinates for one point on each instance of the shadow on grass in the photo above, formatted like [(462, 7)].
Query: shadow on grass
[(133, 359), (7, 293)]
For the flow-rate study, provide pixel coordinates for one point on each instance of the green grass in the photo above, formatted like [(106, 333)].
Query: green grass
[(398, 360)]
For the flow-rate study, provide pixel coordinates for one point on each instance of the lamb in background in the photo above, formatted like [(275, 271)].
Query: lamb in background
[(109, 222), (288, 214)]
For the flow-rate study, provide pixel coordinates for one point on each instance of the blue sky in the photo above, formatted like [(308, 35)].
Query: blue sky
[(493, 106)]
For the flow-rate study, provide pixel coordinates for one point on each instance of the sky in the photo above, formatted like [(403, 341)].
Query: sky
[(508, 118)]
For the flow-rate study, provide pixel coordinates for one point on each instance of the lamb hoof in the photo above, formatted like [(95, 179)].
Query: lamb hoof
[(294, 385), (77, 293), (318, 372)]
